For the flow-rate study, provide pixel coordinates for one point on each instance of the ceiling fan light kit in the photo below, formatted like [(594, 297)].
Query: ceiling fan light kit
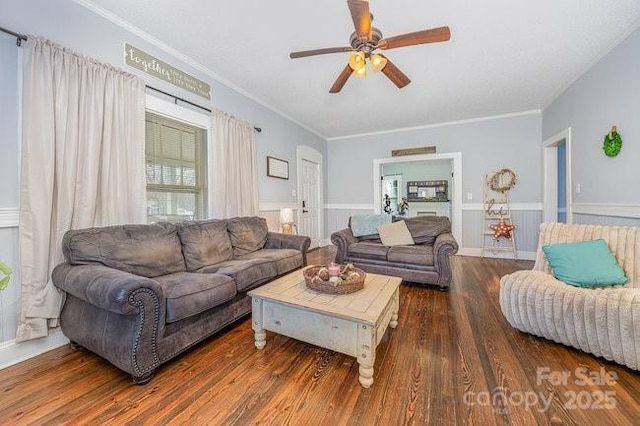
[(366, 39)]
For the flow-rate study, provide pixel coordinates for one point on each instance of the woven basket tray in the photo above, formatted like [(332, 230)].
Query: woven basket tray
[(345, 287)]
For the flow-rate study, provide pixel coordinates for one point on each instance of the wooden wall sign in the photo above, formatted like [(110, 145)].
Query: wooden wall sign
[(151, 65), (413, 151)]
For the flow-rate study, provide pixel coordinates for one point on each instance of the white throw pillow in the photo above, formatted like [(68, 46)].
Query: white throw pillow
[(395, 234)]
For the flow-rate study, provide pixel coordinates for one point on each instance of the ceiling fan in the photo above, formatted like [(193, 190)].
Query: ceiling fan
[(366, 39)]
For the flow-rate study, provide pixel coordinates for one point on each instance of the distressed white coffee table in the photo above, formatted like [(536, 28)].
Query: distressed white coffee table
[(352, 324)]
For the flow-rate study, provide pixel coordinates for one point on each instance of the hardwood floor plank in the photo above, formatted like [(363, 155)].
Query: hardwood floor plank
[(453, 359)]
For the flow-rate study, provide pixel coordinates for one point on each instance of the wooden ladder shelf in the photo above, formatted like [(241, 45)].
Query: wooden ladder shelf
[(496, 205)]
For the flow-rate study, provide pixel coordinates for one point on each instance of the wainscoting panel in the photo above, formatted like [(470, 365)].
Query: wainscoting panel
[(526, 234), (338, 216)]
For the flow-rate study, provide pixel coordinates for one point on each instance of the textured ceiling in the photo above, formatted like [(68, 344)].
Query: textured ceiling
[(504, 56)]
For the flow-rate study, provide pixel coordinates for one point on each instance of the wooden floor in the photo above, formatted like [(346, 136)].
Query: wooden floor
[(453, 359)]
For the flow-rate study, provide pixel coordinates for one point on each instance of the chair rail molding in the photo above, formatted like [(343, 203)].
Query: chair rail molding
[(345, 206), (514, 206), (9, 217), (607, 209)]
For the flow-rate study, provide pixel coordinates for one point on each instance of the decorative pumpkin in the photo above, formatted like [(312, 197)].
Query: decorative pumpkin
[(612, 143)]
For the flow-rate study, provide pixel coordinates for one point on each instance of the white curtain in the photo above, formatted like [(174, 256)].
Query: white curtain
[(234, 176), (82, 164)]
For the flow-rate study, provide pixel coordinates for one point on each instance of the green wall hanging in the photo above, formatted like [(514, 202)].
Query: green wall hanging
[(5, 276), (612, 143)]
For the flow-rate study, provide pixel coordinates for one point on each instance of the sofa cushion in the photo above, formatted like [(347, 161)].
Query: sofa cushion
[(367, 250), (189, 294), (585, 264), (204, 243), (414, 255), (367, 224), (146, 250), (248, 273), (248, 234), (425, 229), (286, 260), (395, 234)]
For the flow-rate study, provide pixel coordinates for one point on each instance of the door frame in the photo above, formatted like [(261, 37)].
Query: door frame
[(304, 152), (550, 176), (456, 201)]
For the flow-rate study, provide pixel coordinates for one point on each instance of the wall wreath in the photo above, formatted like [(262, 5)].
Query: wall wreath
[(612, 143), (503, 180)]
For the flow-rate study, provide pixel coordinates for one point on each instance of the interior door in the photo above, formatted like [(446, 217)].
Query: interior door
[(310, 206)]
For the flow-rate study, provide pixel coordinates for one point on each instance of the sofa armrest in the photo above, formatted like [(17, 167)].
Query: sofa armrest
[(342, 239), (107, 288), (276, 240), (443, 247)]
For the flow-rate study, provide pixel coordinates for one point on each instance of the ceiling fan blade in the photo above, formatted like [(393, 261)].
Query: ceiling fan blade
[(394, 74), (361, 18), (304, 53), (419, 37), (341, 80)]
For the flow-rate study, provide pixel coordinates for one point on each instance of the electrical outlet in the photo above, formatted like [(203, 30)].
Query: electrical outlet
[(469, 196), (578, 188), (293, 193)]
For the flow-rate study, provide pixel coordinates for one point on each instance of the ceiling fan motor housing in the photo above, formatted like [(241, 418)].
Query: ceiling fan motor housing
[(368, 47)]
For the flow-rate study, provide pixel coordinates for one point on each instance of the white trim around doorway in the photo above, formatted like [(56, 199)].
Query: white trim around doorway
[(550, 176), (456, 201), (304, 152)]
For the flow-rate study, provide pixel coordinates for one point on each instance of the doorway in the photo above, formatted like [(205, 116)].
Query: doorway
[(455, 191), (310, 198), (557, 198)]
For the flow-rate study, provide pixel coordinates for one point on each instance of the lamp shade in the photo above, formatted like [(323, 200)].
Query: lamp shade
[(286, 215), (378, 62)]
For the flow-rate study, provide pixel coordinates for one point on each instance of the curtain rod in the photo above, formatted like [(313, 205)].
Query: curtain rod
[(257, 129), (19, 37)]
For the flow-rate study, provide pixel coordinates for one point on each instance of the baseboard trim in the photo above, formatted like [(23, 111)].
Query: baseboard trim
[(12, 353), (477, 252)]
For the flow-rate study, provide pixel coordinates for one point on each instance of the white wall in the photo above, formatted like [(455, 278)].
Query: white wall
[(71, 25), (608, 94)]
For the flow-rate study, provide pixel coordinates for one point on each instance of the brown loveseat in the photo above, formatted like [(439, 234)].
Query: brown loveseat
[(425, 262), (138, 295)]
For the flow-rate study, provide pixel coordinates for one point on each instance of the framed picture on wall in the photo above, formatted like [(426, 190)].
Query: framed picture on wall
[(277, 168)]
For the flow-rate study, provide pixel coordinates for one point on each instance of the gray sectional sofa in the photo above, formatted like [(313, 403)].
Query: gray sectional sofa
[(138, 295), (425, 262)]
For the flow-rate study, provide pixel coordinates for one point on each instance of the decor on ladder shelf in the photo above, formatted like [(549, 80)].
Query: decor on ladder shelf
[(502, 229)]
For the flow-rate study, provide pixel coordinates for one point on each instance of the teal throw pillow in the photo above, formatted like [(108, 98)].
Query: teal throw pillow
[(585, 264), (367, 224)]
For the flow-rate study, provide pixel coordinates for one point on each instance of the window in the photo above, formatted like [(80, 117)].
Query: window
[(175, 169)]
